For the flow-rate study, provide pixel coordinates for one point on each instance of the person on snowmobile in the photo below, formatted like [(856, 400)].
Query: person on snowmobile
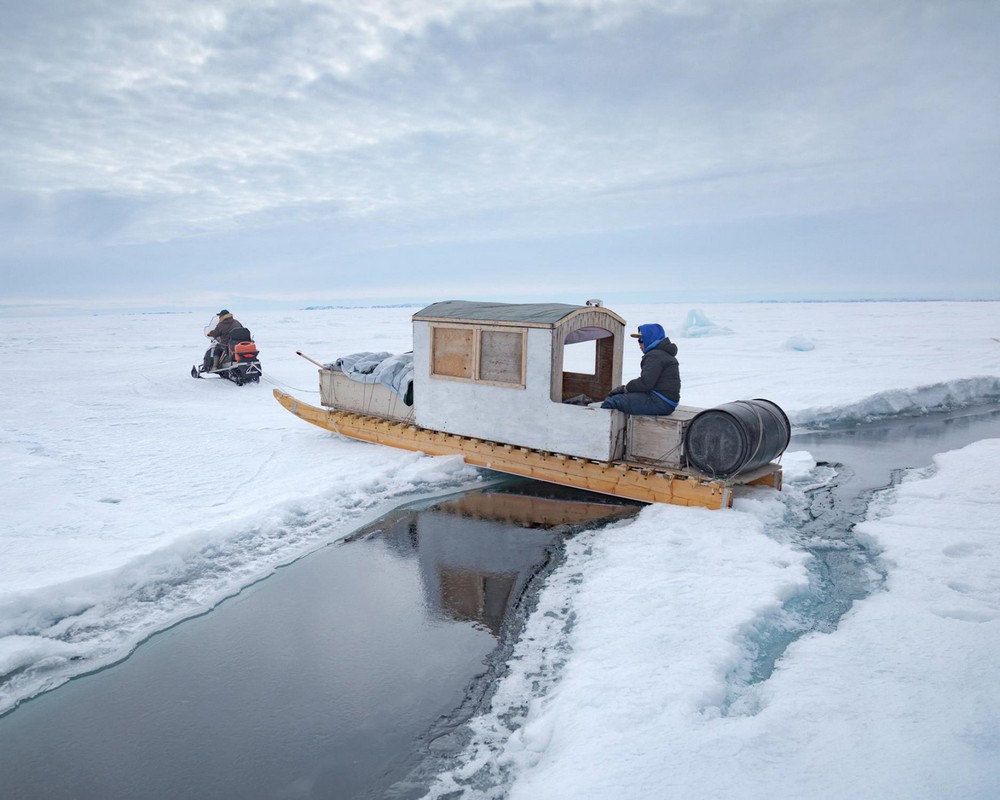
[(226, 324)]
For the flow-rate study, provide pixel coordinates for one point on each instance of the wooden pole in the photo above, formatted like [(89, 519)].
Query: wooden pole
[(313, 360)]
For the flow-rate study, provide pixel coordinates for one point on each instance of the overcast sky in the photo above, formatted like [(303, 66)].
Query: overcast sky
[(167, 153)]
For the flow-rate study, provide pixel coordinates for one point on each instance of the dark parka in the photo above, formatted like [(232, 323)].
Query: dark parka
[(659, 371), (227, 323)]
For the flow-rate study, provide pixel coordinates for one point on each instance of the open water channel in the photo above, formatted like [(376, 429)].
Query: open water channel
[(333, 677), (321, 681)]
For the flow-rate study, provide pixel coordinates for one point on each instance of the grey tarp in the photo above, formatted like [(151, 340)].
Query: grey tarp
[(395, 371)]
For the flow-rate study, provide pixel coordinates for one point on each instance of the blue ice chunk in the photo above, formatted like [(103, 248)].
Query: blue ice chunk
[(800, 343), (697, 325)]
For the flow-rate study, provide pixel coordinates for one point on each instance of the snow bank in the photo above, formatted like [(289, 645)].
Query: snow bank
[(641, 628), (138, 497), (48, 634), (913, 402), (641, 635)]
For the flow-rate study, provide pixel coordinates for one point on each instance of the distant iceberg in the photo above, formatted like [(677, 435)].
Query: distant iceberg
[(801, 343), (698, 325)]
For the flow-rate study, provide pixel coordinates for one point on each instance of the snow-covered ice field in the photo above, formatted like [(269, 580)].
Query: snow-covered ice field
[(134, 497)]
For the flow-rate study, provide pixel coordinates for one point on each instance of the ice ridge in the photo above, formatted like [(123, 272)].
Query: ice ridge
[(914, 402)]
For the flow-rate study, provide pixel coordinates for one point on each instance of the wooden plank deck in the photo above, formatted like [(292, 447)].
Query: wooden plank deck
[(621, 479)]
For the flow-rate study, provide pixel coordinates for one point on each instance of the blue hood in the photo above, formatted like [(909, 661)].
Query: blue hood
[(652, 334)]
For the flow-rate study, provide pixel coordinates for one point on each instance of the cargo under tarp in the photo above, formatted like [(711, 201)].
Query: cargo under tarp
[(395, 371)]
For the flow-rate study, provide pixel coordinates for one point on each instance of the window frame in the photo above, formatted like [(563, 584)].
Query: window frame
[(477, 345)]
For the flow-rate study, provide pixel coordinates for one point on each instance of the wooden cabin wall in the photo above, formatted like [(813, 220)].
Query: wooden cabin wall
[(517, 415), (576, 383)]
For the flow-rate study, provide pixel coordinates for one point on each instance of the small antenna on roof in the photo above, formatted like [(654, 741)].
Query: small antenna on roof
[(595, 302)]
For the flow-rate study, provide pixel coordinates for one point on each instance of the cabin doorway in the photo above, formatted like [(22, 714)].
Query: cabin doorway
[(587, 366)]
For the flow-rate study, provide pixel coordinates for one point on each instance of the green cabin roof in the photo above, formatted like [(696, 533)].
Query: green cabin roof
[(527, 313)]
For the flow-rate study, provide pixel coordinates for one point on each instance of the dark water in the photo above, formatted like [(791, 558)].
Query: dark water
[(867, 458), (870, 454), (319, 682)]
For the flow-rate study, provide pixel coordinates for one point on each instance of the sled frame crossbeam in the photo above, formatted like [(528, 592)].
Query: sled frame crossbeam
[(621, 479)]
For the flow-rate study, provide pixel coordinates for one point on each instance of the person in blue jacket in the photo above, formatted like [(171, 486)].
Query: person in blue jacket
[(657, 390)]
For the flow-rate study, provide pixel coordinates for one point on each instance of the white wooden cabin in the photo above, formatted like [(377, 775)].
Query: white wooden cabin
[(500, 385), (495, 371)]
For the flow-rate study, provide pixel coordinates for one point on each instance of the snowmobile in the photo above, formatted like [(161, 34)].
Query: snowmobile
[(235, 359)]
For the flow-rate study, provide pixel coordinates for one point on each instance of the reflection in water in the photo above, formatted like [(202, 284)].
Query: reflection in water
[(469, 573), (536, 510), (319, 682)]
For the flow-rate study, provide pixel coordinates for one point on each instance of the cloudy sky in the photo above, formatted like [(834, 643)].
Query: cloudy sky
[(183, 152)]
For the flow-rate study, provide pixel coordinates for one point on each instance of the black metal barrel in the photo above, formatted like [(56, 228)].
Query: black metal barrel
[(736, 437)]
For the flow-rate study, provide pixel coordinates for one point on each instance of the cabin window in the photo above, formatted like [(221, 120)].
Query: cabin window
[(453, 352), (581, 357), (587, 366), (501, 356), (477, 353)]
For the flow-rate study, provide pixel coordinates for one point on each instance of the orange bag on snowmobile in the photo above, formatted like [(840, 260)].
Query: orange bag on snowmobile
[(245, 351)]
